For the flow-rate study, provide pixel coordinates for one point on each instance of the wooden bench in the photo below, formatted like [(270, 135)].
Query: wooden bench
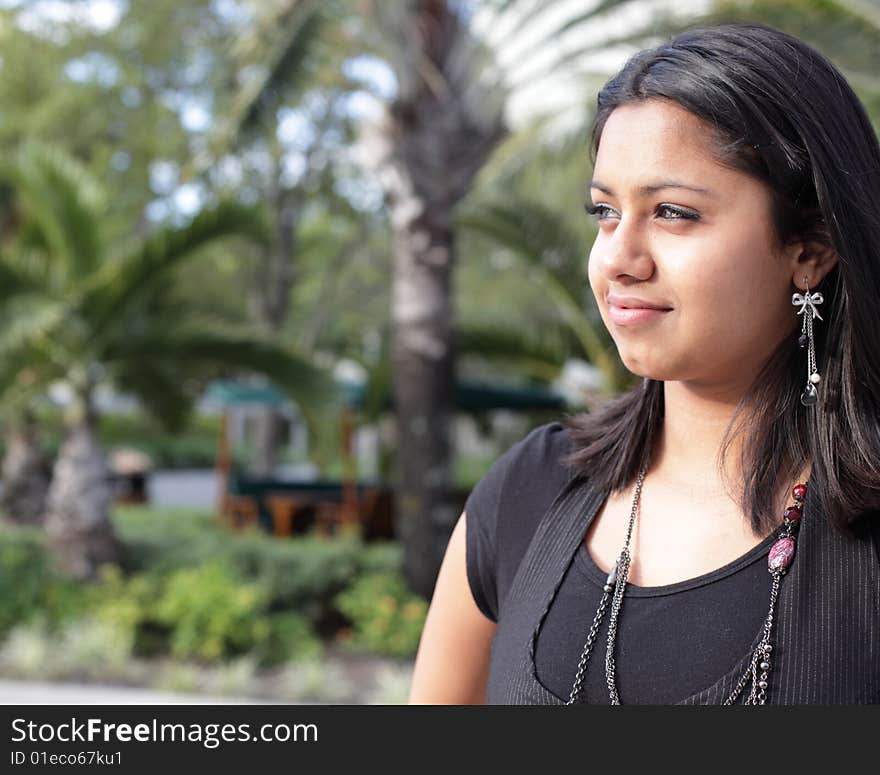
[(286, 507)]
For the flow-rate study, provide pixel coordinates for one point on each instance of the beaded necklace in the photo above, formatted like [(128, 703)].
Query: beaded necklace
[(758, 669)]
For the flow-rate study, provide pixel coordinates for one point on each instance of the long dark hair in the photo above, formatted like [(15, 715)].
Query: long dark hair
[(784, 114)]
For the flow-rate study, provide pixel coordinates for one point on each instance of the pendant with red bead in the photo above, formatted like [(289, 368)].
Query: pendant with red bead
[(782, 552), (793, 515)]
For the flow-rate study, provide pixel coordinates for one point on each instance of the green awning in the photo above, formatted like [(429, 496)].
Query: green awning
[(231, 393), (470, 395), (473, 396)]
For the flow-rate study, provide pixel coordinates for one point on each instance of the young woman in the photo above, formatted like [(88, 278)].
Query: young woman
[(709, 537)]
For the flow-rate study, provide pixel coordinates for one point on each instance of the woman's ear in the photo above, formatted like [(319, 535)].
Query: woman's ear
[(813, 259)]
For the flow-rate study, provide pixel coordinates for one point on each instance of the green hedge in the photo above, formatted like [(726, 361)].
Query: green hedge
[(30, 585), (190, 589)]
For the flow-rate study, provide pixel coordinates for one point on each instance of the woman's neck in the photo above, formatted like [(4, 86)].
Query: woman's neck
[(687, 454)]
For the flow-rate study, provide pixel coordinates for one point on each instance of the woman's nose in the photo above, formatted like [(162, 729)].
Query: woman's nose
[(624, 251)]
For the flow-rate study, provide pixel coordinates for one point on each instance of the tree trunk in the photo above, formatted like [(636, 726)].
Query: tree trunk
[(427, 149), (78, 521), (424, 395), (25, 475)]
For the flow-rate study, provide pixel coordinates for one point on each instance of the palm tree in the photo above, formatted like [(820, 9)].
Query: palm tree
[(434, 139), (442, 127), (97, 309), (24, 472), (437, 132)]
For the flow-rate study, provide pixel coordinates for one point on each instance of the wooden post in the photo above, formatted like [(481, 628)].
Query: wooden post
[(350, 502), (224, 465)]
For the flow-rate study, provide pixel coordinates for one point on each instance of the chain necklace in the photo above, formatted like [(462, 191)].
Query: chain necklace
[(757, 671)]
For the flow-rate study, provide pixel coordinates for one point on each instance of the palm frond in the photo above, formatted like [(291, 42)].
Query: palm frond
[(15, 282), (211, 353), (523, 20), (299, 28), (123, 283), (35, 325), (535, 231), (514, 345), (533, 234), (161, 387), (653, 30), (293, 29), (24, 376), (63, 205)]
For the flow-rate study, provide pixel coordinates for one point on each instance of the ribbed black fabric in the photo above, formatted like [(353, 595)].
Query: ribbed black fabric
[(826, 637)]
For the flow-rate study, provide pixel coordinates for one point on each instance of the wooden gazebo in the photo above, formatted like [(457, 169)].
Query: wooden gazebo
[(291, 506)]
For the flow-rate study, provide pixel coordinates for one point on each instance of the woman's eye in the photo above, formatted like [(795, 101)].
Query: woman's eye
[(678, 214), (597, 210), (672, 213)]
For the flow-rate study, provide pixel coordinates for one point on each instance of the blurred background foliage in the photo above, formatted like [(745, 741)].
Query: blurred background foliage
[(226, 188)]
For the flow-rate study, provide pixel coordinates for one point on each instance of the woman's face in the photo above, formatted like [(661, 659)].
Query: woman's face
[(709, 257)]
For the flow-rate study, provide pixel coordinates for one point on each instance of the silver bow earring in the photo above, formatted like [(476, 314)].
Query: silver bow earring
[(807, 303)]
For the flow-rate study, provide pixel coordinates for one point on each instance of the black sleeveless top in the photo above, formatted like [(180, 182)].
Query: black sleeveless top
[(680, 643)]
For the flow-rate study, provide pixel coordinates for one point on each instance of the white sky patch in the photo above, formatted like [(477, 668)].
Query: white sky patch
[(195, 117), (44, 17), (293, 169), (294, 128), (157, 210), (163, 177), (373, 73), (94, 66), (232, 11), (364, 193), (188, 199), (362, 104)]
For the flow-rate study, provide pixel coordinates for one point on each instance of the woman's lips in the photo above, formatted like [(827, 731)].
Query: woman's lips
[(628, 316)]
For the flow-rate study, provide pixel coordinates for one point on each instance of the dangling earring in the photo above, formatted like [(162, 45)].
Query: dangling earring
[(807, 304)]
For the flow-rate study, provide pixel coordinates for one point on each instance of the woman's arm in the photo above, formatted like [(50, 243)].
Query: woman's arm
[(452, 664)]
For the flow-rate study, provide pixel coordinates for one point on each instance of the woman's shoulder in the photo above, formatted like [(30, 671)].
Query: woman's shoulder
[(521, 484), (544, 446), (505, 506), (540, 453), (533, 463)]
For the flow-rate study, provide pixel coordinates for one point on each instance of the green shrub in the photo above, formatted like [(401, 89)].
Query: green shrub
[(190, 588), (207, 613), (387, 618), (29, 583), (211, 613), (381, 557), (126, 604), (164, 540), (303, 573), (291, 638)]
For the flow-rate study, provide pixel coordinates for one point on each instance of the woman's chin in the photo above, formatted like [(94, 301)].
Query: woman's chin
[(647, 368)]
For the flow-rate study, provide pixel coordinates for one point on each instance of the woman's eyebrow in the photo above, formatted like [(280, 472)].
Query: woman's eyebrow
[(650, 188)]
